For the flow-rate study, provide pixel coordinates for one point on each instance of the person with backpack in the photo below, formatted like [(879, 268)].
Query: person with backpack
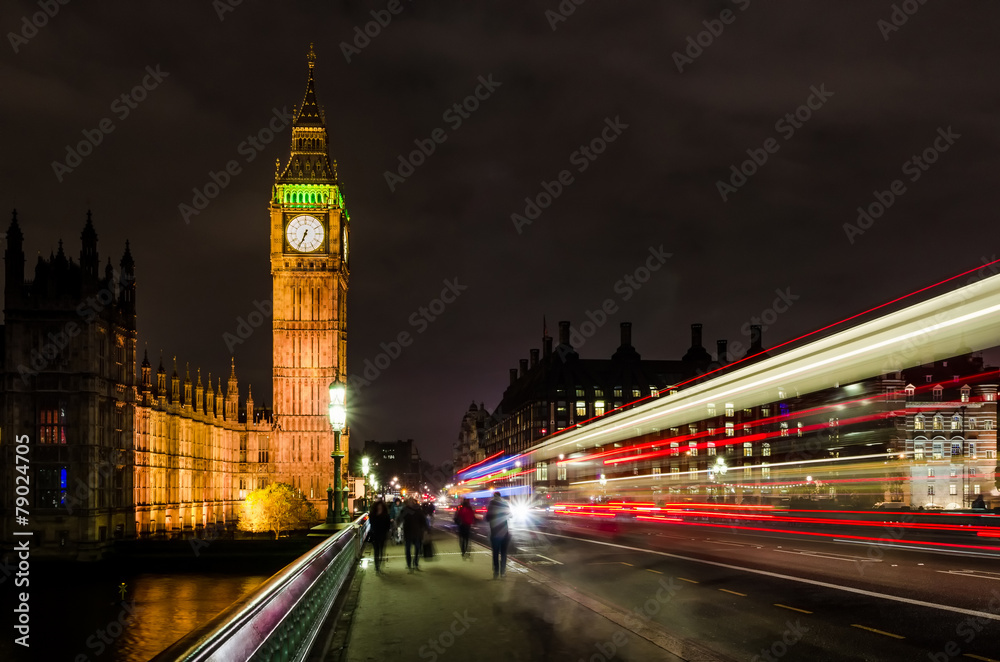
[(465, 518)]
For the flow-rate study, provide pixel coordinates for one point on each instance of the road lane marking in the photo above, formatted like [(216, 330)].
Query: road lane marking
[(855, 559), (803, 611), (979, 657), (548, 559), (913, 548), (975, 574), (690, 581), (628, 564), (656, 571), (733, 592), (888, 634), (720, 542), (801, 580)]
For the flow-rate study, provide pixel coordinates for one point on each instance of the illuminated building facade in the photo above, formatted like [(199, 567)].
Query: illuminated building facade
[(197, 452), (309, 268), (111, 457)]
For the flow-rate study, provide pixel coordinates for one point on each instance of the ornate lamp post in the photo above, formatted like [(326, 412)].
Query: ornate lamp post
[(338, 420)]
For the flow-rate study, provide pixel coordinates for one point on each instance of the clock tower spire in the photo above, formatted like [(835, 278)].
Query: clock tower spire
[(309, 271)]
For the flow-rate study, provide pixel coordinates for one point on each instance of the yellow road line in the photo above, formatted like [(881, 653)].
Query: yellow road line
[(689, 581), (979, 657), (623, 563), (656, 571), (733, 592), (803, 611), (888, 634)]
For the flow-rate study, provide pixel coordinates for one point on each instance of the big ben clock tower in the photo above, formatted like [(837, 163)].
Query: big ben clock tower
[(309, 231)]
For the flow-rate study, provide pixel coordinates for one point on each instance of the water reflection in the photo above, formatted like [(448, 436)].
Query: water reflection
[(77, 612)]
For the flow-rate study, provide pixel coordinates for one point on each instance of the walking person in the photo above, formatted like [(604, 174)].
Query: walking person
[(380, 523), (414, 524), (497, 514), (465, 518), (395, 509)]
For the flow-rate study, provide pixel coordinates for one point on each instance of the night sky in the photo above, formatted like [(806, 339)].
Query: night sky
[(879, 95)]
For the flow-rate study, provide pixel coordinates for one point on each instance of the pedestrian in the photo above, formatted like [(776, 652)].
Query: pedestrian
[(414, 524), (979, 502), (497, 514), (465, 518), (394, 511), (380, 523)]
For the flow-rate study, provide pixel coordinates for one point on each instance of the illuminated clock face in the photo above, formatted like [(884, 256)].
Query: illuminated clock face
[(305, 233)]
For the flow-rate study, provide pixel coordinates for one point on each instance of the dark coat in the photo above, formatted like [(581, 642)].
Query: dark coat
[(414, 522), (380, 524), (497, 515)]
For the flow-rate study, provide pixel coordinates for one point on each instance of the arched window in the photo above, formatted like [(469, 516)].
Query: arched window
[(710, 448), (956, 422), (965, 393), (910, 391), (918, 422), (938, 391), (918, 450), (747, 449), (765, 449), (938, 422)]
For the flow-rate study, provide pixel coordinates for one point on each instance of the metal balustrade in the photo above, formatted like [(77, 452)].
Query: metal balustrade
[(279, 621)]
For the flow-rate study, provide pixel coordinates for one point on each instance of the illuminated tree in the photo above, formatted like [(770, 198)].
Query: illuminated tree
[(277, 507)]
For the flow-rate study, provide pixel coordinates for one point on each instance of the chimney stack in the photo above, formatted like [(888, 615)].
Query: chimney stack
[(524, 367), (534, 358), (547, 347), (721, 347), (626, 329), (564, 333), (513, 376), (696, 335)]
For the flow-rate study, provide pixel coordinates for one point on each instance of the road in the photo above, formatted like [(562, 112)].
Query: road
[(767, 596)]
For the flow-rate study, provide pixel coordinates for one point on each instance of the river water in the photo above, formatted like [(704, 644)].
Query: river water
[(75, 610)]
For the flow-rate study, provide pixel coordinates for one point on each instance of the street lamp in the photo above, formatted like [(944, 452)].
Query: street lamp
[(338, 421)]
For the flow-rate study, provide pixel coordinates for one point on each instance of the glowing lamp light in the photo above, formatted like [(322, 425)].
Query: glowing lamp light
[(338, 408)]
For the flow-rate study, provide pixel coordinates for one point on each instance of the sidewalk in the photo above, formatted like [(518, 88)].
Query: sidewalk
[(454, 610)]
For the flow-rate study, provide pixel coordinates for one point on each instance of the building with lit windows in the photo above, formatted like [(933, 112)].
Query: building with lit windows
[(555, 388)]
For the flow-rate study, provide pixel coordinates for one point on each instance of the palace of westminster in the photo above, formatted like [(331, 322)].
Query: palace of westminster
[(116, 454)]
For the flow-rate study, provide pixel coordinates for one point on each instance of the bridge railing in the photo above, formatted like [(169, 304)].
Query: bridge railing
[(280, 620)]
